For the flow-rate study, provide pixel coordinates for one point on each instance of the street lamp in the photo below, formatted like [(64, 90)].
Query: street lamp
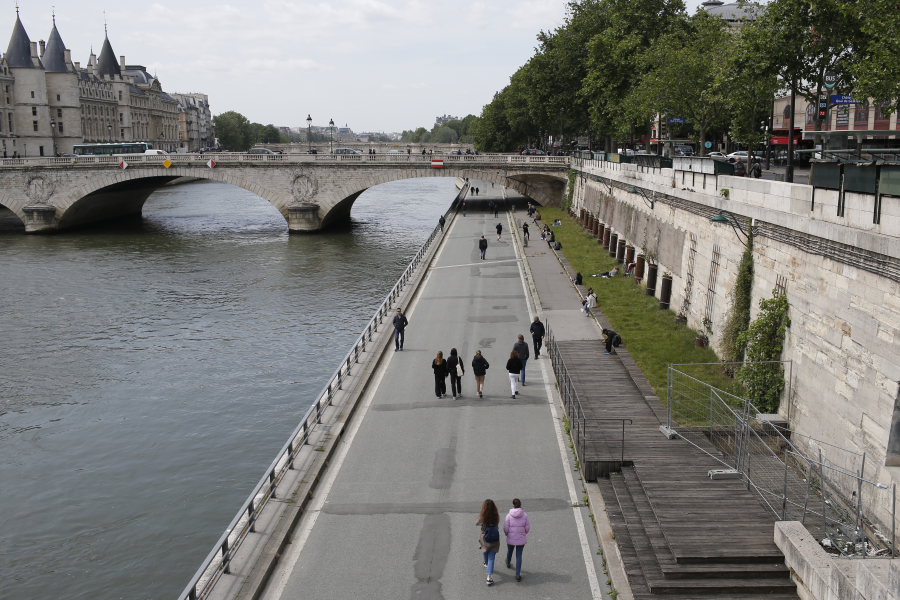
[(650, 201), (331, 126), (53, 129), (109, 130), (308, 132), (730, 218)]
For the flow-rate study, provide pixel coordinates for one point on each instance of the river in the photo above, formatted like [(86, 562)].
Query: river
[(150, 370)]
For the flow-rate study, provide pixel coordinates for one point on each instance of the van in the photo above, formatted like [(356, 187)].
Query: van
[(156, 152)]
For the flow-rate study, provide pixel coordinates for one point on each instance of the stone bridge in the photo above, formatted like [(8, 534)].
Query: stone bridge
[(310, 191)]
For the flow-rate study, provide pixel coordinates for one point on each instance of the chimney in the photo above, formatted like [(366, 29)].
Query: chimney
[(77, 64), (122, 63), (43, 47), (34, 53), (68, 54)]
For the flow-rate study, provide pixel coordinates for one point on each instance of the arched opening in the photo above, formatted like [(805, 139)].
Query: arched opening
[(10, 221)]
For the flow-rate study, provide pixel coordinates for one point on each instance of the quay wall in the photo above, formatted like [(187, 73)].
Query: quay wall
[(840, 274)]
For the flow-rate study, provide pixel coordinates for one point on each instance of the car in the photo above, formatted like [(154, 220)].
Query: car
[(260, 151), (155, 152), (717, 156), (742, 154), (456, 152), (533, 152), (681, 150), (346, 151)]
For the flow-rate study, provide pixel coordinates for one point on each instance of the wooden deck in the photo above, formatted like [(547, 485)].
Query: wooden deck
[(680, 533)]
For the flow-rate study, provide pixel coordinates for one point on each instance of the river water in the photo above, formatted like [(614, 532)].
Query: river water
[(150, 371)]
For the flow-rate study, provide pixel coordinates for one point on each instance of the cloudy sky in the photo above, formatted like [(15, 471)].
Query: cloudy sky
[(375, 65)]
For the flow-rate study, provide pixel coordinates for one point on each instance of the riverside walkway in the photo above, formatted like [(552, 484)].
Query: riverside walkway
[(394, 516)]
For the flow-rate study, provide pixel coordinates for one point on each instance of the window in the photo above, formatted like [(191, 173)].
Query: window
[(57, 97), (120, 94), (811, 114), (881, 113), (59, 113), (60, 127), (41, 150), (10, 123), (862, 114), (35, 125), (32, 94), (121, 133), (120, 118), (34, 111)]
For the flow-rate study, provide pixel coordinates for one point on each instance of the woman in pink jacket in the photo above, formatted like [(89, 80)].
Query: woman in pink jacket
[(516, 527)]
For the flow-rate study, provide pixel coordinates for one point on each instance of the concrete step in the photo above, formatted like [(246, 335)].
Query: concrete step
[(727, 570)]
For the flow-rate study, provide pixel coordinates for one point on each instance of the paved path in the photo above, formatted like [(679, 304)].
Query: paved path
[(396, 515)]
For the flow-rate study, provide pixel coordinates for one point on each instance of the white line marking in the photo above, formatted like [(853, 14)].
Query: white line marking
[(484, 262), (596, 592), (275, 588)]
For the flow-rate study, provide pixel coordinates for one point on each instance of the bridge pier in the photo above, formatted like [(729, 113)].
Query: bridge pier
[(304, 218), (39, 218)]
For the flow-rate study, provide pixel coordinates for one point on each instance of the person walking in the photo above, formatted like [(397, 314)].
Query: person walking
[(739, 168), (441, 222), (400, 324), (464, 208), (521, 348), (489, 540), (482, 246), (537, 336), (479, 369), (525, 235), (439, 366), (514, 366), (497, 209), (491, 206), (499, 230), (516, 527), (456, 370)]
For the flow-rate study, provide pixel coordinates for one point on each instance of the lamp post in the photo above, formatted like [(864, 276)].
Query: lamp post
[(650, 201), (53, 134), (331, 127), (308, 132), (729, 218), (109, 130)]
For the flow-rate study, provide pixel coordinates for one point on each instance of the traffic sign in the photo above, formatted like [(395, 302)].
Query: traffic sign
[(830, 80), (677, 120), (707, 145), (842, 99)]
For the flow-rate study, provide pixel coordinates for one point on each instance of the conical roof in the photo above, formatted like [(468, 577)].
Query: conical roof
[(18, 54), (54, 57), (107, 63)]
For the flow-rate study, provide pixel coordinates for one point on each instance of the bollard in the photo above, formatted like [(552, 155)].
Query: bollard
[(651, 280), (601, 230), (665, 292), (613, 244), (620, 251), (629, 254), (639, 269), (606, 233)]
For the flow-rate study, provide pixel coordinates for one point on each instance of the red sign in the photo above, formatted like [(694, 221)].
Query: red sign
[(123, 165), (437, 163), (211, 163)]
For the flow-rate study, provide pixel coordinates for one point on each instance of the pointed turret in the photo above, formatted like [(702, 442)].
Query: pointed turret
[(107, 63), (18, 54), (54, 57)]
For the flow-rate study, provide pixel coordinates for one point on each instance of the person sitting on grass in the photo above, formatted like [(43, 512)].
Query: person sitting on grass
[(557, 223), (608, 274)]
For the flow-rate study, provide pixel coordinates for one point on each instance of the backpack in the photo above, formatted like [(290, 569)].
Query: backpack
[(557, 246), (617, 339), (491, 534)]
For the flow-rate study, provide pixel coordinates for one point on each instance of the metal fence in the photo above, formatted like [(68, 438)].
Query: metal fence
[(824, 487), (594, 439), (217, 562)]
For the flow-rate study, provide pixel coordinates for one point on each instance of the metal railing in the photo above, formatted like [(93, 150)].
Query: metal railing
[(224, 158), (588, 433), (826, 491), (217, 562)]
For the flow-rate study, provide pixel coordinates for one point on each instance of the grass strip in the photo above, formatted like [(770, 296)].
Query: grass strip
[(651, 335)]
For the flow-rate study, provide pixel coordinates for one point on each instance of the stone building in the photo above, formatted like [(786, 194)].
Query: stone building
[(50, 103), (195, 122)]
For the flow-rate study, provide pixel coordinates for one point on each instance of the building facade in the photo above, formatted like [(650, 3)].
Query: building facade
[(48, 103)]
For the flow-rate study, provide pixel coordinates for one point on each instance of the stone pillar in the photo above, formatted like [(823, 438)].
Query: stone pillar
[(304, 218), (40, 218)]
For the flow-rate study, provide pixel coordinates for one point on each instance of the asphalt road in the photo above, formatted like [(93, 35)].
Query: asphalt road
[(396, 514)]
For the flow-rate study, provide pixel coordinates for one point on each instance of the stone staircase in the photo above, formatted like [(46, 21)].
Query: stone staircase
[(685, 569)]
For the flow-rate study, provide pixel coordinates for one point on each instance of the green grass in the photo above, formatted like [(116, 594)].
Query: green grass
[(650, 334)]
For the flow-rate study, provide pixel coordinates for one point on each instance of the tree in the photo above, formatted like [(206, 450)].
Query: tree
[(877, 72), (269, 135), (234, 131)]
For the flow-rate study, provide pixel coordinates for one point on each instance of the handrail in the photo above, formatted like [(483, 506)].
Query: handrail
[(196, 159), (284, 460)]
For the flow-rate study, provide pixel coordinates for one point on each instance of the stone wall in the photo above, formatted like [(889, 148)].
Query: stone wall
[(841, 277)]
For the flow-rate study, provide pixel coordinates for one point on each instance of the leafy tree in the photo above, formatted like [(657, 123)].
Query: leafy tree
[(877, 72), (234, 131), (269, 135), (494, 133), (732, 347), (762, 376)]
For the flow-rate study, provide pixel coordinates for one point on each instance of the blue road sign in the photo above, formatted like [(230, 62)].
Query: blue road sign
[(841, 99), (677, 120)]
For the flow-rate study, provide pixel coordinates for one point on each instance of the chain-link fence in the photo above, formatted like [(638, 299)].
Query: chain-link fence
[(824, 487)]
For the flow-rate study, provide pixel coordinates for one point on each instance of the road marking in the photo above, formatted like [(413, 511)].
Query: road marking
[(484, 262), (596, 592), (275, 588)]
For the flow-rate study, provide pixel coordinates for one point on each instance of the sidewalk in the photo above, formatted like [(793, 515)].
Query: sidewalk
[(395, 515)]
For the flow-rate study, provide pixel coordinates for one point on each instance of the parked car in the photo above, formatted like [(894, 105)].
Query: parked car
[(717, 156), (346, 151), (734, 156)]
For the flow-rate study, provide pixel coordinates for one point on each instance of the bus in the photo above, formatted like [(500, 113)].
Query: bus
[(110, 149)]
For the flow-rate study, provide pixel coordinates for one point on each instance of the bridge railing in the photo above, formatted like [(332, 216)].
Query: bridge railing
[(242, 157), (217, 562)]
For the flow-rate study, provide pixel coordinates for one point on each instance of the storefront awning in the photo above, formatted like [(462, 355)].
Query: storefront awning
[(782, 140)]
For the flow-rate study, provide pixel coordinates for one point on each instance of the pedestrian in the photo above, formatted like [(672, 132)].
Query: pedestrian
[(578, 279), (482, 246), (491, 206), (516, 527), (441, 222), (456, 370), (489, 540), (756, 169), (439, 366), (537, 336), (590, 301), (400, 324), (525, 231), (464, 208), (521, 348), (477, 191), (499, 231), (739, 169), (497, 209), (613, 339), (479, 369), (514, 366)]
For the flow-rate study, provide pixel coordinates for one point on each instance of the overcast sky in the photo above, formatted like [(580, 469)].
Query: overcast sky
[(375, 65)]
